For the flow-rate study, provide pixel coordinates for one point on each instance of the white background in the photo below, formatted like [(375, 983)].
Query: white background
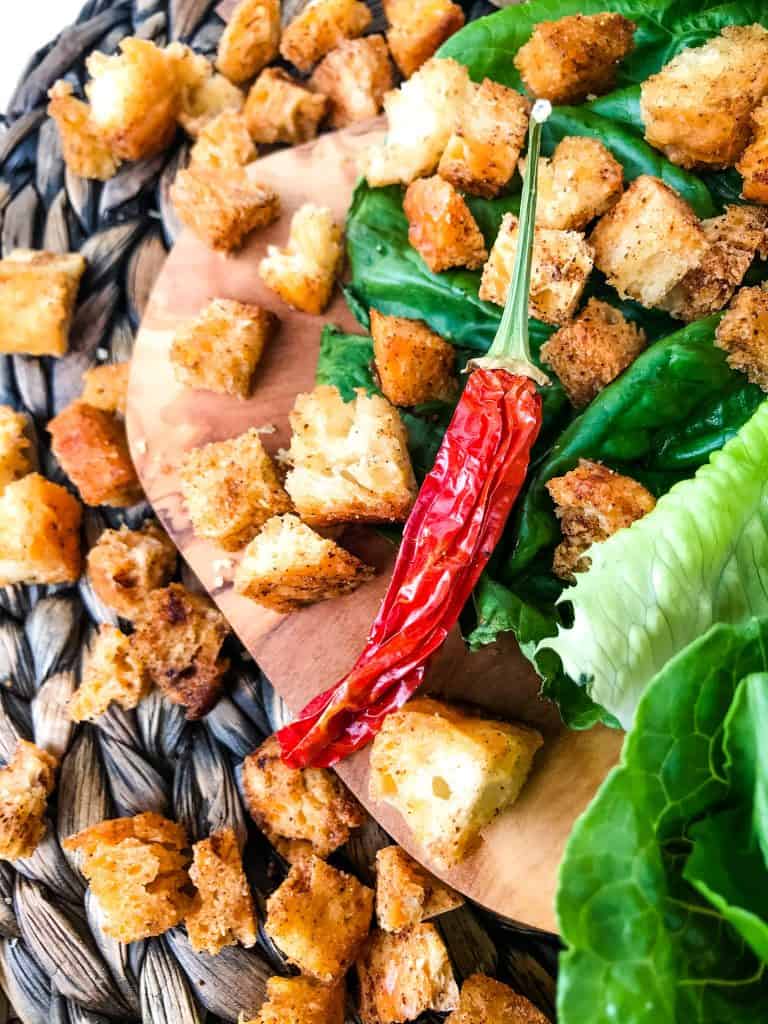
[(26, 26)]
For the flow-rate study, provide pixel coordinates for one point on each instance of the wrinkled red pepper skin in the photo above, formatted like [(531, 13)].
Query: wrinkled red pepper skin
[(453, 528)]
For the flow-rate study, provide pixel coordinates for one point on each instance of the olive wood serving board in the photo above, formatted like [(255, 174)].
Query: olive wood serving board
[(514, 870)]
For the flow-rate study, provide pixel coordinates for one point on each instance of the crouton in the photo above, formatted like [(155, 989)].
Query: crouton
[(178, 639), (320, 27), (697, 109), (111, 672), (406, 893), (85, 151), (222, 913), (250, 39), (403, 975), (39, 532), (190, 69), (125, 565), (302, 811), (580, 181), (37, 299), (106, 387), (137, 871), (743, 335), (413, 364), (486, 1001), (567, 60), (562, 262), (349, 460), (482, 151), (421, 117), (26, 782), (304, 272), (203, 103), (301, 1001), (753, 165), (449, 772), (592, 503), (648, 242), (441, 227), (223, 143), (355, 77), (15, 446), (319, 917), (592, 350), (222, 208), (417, 29), (281, 109)]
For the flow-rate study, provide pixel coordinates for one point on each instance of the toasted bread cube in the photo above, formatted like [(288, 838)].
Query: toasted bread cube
[(137, 871), (250, 40), (355, 77), (402, 976), (648, 242), (697, 109), (281, 109), (320, 27), (417, 29), (486, 1001), (301, 1001), (16, 456), (190, 69), (83, 147), (743, 335), (580, 181), (222, 913), (224, 142), (562, 262), (124, 565), (449, 772), (421, 117), (592, 503), (111, 672), (39, 533), (592, 350), (413, 364), (349, 460), (207, 100), (222, 208), (26, 782), (106, 387), (567, 60), (753, 165), (37, 299), (304, 272), (441, 227), (320, 917), (178, 639), (406, 893), (482, 152)]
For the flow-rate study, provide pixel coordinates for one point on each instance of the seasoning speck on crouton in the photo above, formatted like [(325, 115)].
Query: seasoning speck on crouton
[(137, 871), (304, 272), (413, 364), (569, 59), (281, 109), (37, 299), (111, 672), (222, 208), (207, 100), (250, 39), (16, 457), (223, 143), (406, 893), (320, 917), (320, 27), (753, 165), (85, 151), (743, 335), (106, 387), (579, 182), (125, 565), (301, 1001), (39, 532), (592, 503), (222, 912), (26, 782), (355, 77), (449, 772), (486, 1001), (441, 227), (417, 28)]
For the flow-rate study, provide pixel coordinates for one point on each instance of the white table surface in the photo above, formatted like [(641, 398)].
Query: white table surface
[(28, 25)]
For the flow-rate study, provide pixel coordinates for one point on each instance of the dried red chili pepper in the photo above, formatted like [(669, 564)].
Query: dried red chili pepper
[(455, 524)]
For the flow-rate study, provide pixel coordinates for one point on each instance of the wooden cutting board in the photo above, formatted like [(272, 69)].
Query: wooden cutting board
[(514, 871)]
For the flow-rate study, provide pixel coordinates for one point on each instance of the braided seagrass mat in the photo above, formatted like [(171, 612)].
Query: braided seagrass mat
[(56, 964)]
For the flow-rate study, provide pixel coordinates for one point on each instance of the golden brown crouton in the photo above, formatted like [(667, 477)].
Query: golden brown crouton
[(320, 918), (579, 182), (753, 165), (124, 565), (39, 532), (111, 672), (304, 272), (743, 334), (222, 208), (222, 913), (648, 242), (26, 782), (15, 446), (697, 108), (441, 227), (486, 1001), (37, 298), (92, 449), (406, 893), (592, 503), (250, 40), (482, 152), (569, 59), (403, 975), (302, 811), (106, 387), (320, 27), (449, 772), (85, 151), (137, 871), (417, 29), (281, 109), (204, 102), (562, 262), (349, 460), (413, 364), (301, 1001), (355, 77), (178, 639), (224, 142), (592, 350)]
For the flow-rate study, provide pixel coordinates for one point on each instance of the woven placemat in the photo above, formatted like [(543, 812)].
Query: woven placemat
[(56, 964)]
